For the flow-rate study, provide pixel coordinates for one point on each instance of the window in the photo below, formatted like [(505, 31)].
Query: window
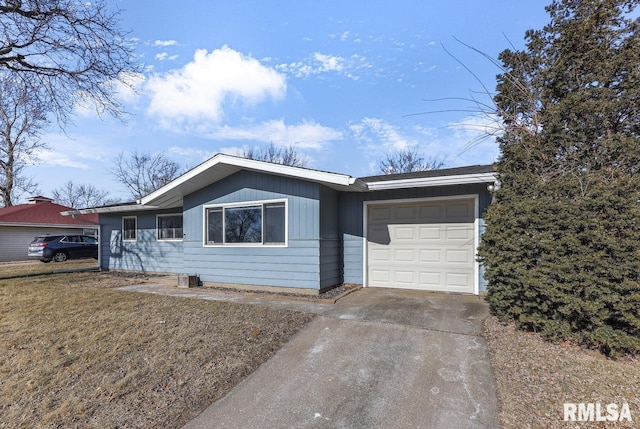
[(254, 223), (169, 227), (129, 228)]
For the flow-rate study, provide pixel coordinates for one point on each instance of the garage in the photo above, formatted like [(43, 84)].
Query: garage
[(425, 245)]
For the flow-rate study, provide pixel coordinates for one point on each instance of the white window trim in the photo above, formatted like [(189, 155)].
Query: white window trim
[(158, 216), (129, 239), (246, 204)]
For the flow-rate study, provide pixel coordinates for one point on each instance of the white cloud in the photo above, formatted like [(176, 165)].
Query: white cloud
[(164, 43), (163, 56), (74, 152), (307, 135), (127, 90), (474, 138), (198, 90), (378, 133), (191, 153), (319, 63)]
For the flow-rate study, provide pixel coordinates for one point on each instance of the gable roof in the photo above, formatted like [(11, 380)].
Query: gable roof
[(44, 213), (221, 166)]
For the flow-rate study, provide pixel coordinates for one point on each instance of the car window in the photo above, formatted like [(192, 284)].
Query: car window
[(89, 240), (74, 239)]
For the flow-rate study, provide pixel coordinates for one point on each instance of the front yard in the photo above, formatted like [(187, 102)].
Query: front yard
[(76, 353)]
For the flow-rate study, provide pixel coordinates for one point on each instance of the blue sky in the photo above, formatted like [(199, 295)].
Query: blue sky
[(342, 81)]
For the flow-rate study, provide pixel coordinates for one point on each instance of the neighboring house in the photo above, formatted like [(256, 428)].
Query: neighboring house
[(241, 222), (20, 224)]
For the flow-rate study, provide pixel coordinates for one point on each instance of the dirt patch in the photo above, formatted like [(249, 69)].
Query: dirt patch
[(536, 378), (77, 353), (329, 296)]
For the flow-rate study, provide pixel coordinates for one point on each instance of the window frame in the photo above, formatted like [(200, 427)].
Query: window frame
[(262, 204), (135, 238), (158, 216)]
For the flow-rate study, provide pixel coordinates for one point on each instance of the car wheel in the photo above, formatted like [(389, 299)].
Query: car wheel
[(60, 257)]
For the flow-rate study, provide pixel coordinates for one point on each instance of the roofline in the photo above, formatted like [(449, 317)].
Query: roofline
[(110, 209), (423, 182), (49, 225), (252, 164)]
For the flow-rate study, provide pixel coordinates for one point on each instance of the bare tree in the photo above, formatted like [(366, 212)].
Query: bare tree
[(143, 173), (81, 196), (67, 52), (277, 155), (407, 161), (22, 117)]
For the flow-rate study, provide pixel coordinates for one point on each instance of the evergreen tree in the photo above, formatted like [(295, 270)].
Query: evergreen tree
[(562, 241)]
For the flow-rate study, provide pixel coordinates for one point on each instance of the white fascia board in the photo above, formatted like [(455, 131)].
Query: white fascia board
[(251, 164), (114, 209), (47, 225), (424, 182)]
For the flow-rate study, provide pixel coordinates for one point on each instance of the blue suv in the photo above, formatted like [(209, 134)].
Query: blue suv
[(59, 248)]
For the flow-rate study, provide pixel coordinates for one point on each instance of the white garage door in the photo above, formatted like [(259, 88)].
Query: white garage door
[(428, 245)]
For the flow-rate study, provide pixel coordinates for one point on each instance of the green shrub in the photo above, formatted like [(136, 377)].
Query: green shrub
[(561, 247)]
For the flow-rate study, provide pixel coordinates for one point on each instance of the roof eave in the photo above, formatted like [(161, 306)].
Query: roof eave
[(162, 197), (112, 209), (426, 182)]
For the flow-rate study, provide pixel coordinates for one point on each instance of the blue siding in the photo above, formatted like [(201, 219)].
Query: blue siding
[(146, 253), (351, 218), (296, 265), (330, 248)]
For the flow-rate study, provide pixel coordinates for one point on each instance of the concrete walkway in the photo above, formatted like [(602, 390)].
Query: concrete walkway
[(378, 358)]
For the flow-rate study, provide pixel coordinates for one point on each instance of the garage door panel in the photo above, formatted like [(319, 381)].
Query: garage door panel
[(381, 276), (430, 212), (431, 245), (380, 254), (463, 256), (462, 212), (404, 213), (430, 233), (380, 214), (405, 278), (430, 256), (398, 233), (405, 256)]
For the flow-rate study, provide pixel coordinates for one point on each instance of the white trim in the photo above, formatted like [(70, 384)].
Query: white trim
[(425, 182), (111, 209), (476, 239), (129, 239), (261, 203), (251, 164), (48, 225), (158, 215), (365, 228)]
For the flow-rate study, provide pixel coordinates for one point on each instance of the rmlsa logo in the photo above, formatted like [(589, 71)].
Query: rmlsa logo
[(596, 413)]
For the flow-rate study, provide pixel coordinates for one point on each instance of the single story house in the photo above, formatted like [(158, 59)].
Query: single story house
[(21, 223), (252, 224)]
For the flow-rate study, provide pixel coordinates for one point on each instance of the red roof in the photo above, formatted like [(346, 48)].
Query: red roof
[(45, 212)]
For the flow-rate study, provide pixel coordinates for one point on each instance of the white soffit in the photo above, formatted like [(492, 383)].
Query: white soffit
[(424, 182)]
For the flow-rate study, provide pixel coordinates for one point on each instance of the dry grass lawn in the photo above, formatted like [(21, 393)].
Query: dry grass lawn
[(535, 378), (26, 268), (74, 354)]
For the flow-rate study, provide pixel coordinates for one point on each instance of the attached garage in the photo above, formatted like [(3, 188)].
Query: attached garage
[(428, 244)]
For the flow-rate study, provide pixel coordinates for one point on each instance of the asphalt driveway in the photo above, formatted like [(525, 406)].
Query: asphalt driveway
[(379, 358)]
